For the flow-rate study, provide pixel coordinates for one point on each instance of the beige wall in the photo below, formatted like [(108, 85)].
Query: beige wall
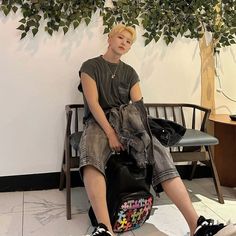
[(40, 75), (226, 69)]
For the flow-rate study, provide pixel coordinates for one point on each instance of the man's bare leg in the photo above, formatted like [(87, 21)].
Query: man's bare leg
[(176, 191), (95, 185)]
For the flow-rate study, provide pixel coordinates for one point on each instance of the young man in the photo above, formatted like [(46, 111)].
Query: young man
[(108, 82)]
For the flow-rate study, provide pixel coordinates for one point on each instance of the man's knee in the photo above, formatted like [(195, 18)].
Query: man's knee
[(91, 173)]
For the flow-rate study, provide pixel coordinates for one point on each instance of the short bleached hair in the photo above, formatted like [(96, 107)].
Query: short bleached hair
[(121, 27)]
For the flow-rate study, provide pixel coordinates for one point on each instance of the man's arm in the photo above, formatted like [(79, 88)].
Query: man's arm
[(135, 93)]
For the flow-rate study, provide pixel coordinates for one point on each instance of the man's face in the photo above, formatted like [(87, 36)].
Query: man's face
[(120, 43)]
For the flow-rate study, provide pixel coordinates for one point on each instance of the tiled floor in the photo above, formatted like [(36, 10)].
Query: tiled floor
[(42, 213)]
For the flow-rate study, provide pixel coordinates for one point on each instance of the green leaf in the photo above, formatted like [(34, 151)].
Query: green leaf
[(21, 27), (14, 8), (37, 6), (233, 31), (156, 38), (23, 20), (56, 27), (31, 23), (27, 28), (146, 35), (50, 31), (87, 20), (135, 22), (23, 35), (123, 1), (106, 31), (75, 24), (171, 39), (68, 23), (5, 10), (37, 17), (65, 30), (34, 31), (200, 36), (147, 41), (167, 40), (62, 23), (112, 20)]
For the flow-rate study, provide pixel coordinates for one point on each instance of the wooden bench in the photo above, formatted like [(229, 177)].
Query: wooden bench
[(194, 147)]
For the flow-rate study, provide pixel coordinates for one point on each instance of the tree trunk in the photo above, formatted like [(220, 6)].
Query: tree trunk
[(207, 74)]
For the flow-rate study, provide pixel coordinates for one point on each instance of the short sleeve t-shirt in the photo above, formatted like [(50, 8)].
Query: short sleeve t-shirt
[(112, 92)]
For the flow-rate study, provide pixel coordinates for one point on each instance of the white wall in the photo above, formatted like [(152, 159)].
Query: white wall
[(38, 76)]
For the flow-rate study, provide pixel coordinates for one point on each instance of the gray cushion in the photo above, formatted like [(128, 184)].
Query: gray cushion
[(194, 137), (191, 137)]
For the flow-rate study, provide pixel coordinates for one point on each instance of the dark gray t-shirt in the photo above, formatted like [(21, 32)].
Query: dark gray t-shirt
[(112, 92)]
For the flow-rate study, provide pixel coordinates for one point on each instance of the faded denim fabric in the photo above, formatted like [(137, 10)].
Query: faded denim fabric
[(129, 122), (163, 167), (93, 147), (129, 127)]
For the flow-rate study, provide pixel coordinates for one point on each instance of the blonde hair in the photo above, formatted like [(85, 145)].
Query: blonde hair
[(121, 27)]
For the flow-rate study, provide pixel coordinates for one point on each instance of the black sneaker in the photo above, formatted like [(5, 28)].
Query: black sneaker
[(206, 227), (101, 230)]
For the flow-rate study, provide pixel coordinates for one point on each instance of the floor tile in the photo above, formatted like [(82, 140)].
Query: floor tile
[(147, 229), (168, 220), (11, 202), (55, 201), (205, 191), (40, 223), (45, 213), (79, 200), (11, 224)]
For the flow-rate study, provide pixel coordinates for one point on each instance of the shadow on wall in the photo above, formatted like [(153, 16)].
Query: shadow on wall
[(73, 40)]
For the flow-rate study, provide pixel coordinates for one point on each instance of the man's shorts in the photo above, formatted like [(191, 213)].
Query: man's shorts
[(95, 151)]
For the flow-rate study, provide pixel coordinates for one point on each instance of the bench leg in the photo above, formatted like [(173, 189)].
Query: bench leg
[(194, 166), (68, 195), (62, 174), (215, 176)]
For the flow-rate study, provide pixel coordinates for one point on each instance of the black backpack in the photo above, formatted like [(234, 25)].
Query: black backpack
[(128, 193)]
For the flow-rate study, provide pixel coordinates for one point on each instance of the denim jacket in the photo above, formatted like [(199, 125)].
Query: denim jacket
[(130, 124)]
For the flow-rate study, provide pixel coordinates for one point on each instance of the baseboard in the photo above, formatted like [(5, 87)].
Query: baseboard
[(51, 180), (36, 182), (201, 171)]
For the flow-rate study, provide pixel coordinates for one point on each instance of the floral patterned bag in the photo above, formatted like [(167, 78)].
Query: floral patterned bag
[(128, 193), (132, 211)]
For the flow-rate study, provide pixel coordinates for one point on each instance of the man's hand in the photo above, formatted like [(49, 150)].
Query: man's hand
[(114, 142)]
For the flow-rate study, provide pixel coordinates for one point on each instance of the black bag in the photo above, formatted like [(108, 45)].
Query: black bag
[(128, 197), (166, 131)]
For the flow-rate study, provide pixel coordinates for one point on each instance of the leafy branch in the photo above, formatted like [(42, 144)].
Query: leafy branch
[(159, 19)]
